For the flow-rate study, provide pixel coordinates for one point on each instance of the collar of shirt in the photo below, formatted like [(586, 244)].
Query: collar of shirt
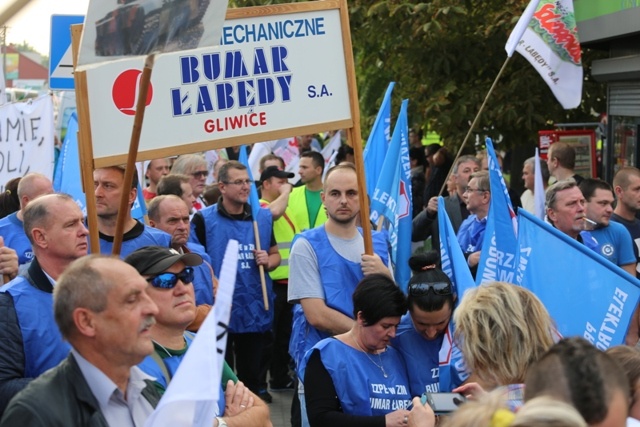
[(246, 211), (102, 386)]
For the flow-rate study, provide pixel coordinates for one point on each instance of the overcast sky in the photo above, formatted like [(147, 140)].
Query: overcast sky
[(33, 23)]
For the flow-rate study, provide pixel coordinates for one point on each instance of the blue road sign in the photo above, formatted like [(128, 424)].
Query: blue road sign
[(60, 57)]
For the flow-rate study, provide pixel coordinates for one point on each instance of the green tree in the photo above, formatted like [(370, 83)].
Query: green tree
[(444, 56)]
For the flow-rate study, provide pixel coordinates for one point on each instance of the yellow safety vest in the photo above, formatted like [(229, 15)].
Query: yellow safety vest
[(284, 230), (300, 213)]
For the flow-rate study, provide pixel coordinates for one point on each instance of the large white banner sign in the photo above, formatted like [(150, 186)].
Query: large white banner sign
[(26, 139), (271, 76)]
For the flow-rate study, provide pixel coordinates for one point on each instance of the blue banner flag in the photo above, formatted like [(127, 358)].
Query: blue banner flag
[(585, 294), (66, 178), (498, 254), (451, 257), (254, 200), (378, 142), (392, 198)]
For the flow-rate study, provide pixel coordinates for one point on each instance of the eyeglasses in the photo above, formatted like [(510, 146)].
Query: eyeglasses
[(239, 182), (200, 174), (169, 280), (471, 190), (439, 288)]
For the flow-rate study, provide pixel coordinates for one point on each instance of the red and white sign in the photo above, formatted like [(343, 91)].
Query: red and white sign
[(272, 77)]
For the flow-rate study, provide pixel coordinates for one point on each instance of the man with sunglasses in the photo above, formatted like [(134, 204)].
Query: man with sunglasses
[(197, 169), (170, 276), (231, 218), (477, 195), (108, 187), (171, 215)]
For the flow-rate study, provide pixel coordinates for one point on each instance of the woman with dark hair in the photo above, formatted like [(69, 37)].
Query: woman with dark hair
[(425, 334), (356, 378), (9, 200)]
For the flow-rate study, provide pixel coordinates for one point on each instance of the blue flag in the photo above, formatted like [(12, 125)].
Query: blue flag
[(254, 200), (396, 207), (376, 149), (585, 294), (66, 178), (451, 257), (498, 254)]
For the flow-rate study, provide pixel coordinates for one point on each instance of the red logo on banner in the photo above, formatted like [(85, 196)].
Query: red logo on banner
[(125, 91)]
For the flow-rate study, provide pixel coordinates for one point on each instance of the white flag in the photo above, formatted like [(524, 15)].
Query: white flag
[(550, 44), (192, 396)]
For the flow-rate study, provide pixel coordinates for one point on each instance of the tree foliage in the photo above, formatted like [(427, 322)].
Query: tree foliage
[(444, 55)]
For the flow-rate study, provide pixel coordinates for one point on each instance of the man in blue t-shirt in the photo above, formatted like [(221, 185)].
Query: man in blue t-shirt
[(108, 186), (614, 242)]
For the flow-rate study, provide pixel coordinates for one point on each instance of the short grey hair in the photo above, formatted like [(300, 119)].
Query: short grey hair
[(81, 285), (36, 214), (551, 195)]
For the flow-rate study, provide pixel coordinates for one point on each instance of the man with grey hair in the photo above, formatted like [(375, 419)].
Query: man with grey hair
[(477, 195), (103, 310), (32, 185), (197, 168), (565, 207), (528, 178), (425, 224), (29, 341)]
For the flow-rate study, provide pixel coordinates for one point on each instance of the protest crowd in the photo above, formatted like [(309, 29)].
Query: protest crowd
[(395, 285), (91, 337)]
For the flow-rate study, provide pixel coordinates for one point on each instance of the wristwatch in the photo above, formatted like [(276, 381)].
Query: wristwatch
[(221, 422)]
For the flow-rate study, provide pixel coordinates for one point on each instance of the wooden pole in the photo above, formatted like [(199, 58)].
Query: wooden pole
[(473, 124), (263, 282), (85, 149), (130, 168), (353, 133)]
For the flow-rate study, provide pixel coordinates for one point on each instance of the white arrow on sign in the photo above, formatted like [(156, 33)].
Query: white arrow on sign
[(64, 69)]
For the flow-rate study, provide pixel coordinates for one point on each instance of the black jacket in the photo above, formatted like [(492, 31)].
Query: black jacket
[(425, 226), (12, 357), (61, 397)]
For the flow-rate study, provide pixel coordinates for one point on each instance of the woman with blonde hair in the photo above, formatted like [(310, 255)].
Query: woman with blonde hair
[(501, 329)]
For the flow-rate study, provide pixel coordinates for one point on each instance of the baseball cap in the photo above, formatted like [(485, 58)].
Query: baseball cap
[(272, 171), (151, 260)]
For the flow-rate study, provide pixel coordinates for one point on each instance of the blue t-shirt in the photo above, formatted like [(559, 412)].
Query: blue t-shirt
[(12, 231), (615, 244), (471, 233)]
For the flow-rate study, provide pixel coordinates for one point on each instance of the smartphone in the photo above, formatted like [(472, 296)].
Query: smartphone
[(443, 403)]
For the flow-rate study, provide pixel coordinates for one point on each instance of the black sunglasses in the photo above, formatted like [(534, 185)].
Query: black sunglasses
[(439, 288), (169, 280)]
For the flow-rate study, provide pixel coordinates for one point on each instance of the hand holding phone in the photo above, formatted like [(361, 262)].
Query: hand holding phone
[(443, 403)]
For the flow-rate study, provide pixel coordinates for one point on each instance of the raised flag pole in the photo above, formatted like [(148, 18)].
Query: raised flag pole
[(130, 168), (263, 280), (475, 121)]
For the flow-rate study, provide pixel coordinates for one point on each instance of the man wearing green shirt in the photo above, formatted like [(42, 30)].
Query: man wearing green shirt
[(305, 202)]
